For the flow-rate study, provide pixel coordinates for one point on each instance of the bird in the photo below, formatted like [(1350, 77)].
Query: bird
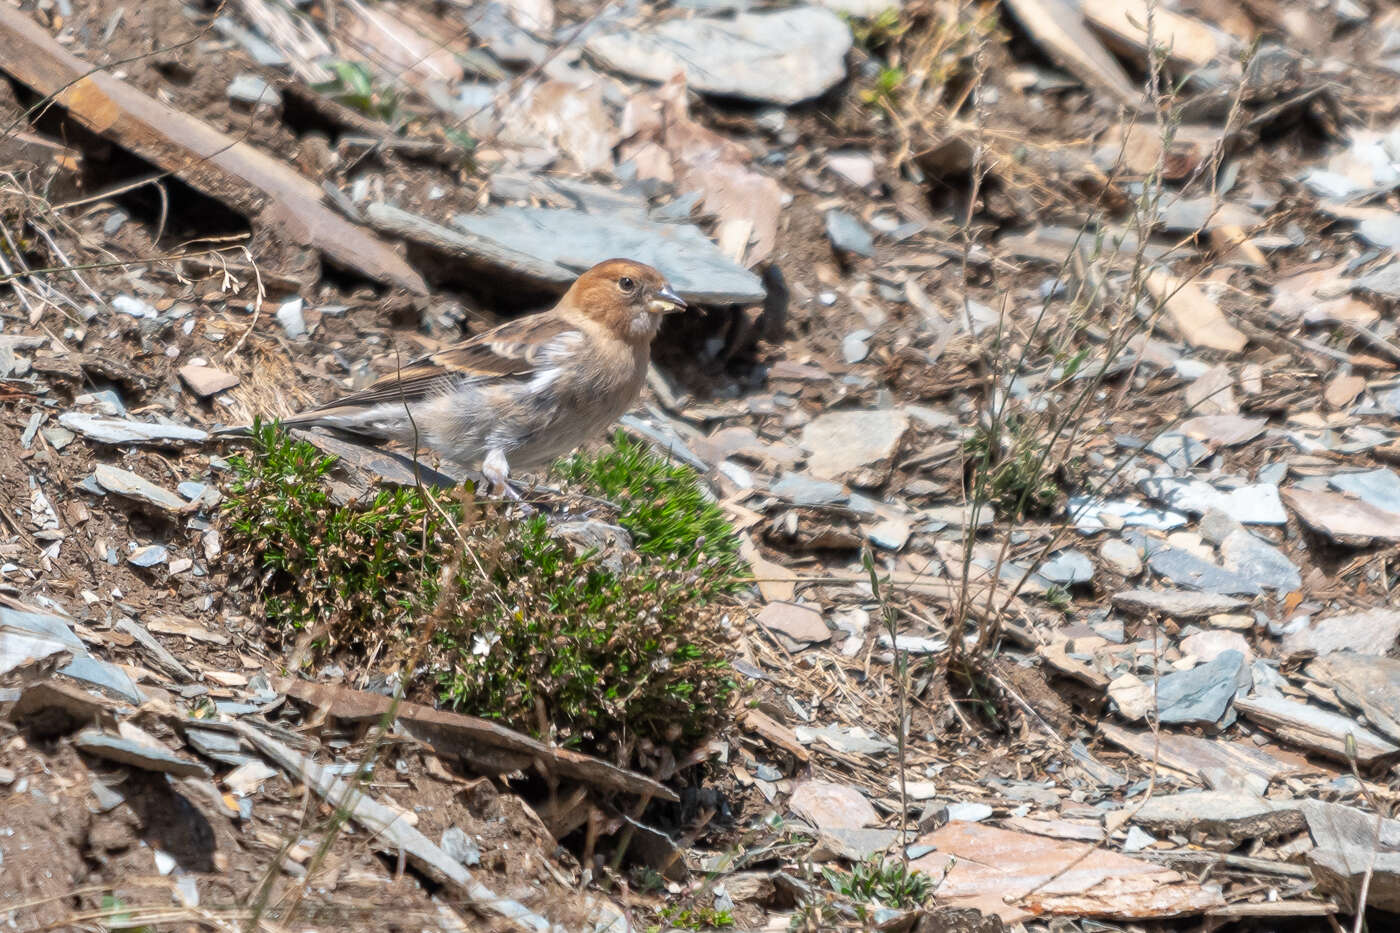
[(524, 392)]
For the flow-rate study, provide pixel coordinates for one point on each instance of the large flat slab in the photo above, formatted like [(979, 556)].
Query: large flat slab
[(574, 240)]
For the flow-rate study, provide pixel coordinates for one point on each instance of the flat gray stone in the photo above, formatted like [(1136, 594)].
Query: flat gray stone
[(783, 57), (1187, 215), (1209, 644), (848, 234), (83, 666), (125, 431), (1215, 527), (1254, 504), (490, 22), (1316, 729), (891, 533), (856, 845), (151, 555), (155, 650), (610, 545), (1180, 451), (1177, 604), (1383, 281), (134, 307), (1343, 519), (1085, 511), (1183, 568), (855, 346), (205, 381), (249, 88), (1067, 568), (1345, 855), (849, 739), (854, 166), (259, 49), (1366, 632), (912, 644), (863, 9), (1328, 184), (1236, 816), (289, 315), (1224, 430), (856, 447), (46, 625), (410, 226), (969, 811), (799, 624), (1202, 694), (217, 745), (1380, 226), (105, 675), (1369, 682), (137, 754), (130, 486), (21, 650), (1380, 488), (1121, 557), (1260, 562), (804, 490), (456, 843), (829, 806), (572, 241), (938, 517)]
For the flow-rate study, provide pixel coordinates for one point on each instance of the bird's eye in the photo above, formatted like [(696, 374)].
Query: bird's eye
[(627, 284)]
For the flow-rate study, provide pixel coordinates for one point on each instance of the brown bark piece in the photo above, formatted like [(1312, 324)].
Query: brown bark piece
[(268, 191)]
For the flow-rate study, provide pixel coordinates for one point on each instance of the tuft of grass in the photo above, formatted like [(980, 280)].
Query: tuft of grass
[(1058, 597), (355, 85), (663, 506), (541, 637), (1011, 467), (887, 883), (875, 33), (885, 90), (678, 917)]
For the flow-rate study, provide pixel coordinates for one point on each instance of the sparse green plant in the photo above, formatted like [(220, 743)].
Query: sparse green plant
[(663, 505), (647, 880), (878, 31), (885, 91), (889, 883), (681, 917), (460, 138), (465, 145), (1058, 597), (813, 916), (1010, 466), (119, 915), (976, 689), (355, 85), (539, 633)]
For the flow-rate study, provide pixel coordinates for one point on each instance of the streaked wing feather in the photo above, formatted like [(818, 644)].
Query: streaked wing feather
[(515, 350)]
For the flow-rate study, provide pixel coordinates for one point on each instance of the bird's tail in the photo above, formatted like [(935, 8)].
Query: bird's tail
[(352, 425)]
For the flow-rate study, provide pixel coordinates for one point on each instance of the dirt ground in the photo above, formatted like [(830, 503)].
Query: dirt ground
[(79, 855)]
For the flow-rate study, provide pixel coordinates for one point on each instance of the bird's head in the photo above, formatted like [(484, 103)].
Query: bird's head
[(628, 297)]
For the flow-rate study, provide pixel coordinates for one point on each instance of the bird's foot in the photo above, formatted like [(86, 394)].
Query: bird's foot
[(497, 472)]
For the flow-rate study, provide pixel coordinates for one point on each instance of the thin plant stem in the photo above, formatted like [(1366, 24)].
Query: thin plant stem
[(890, 618)]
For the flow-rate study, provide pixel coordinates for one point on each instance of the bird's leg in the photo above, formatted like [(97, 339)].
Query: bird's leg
[(497, 472)]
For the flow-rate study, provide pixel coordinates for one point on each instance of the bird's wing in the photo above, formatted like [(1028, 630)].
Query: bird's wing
[(516, 351)]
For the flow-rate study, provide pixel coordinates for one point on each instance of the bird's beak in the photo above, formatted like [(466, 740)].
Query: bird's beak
[(666, 301)]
